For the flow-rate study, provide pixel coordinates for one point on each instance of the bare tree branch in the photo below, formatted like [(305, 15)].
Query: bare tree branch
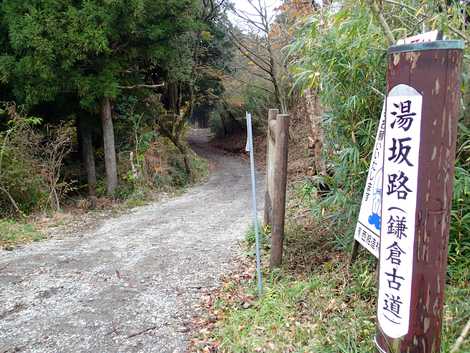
[(214, 8), (240, 45), (12, 200), (142, 86), (424, 17), (246, 17), (376, 11), (252, 84), (268, 61)]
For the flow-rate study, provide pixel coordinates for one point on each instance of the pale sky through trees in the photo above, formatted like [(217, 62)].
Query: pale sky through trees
[(243, 5)]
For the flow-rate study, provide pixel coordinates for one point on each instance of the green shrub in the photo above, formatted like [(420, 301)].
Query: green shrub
[(350, 56), (23, 187), (459, 241), (31, 163), (149, 161), (342, 53), (226, 120), (21, 179), (258, 102), (217, 124)]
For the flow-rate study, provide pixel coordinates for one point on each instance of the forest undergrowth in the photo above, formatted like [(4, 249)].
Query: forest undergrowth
[(41, 181)]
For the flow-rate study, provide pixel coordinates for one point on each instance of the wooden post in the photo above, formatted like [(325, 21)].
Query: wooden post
[(354, 252), (272, 115), (279, 187), (431, 70)]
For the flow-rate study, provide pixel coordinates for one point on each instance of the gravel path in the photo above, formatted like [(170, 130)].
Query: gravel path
[(130, 285)]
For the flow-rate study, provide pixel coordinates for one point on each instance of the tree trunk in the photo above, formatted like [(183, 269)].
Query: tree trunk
[(274, 80), (274, 76), (176, 140), (109, 149), (192, 99), (184, 151), (88, 157), (173, 97), (224, 126), (316, 137)]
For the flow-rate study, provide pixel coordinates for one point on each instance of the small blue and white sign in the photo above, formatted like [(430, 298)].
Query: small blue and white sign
[(370, 217)]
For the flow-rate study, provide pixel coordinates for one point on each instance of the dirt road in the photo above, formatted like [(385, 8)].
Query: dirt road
[(128, 286)]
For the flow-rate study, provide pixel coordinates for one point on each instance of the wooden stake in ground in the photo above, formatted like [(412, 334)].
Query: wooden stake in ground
[(279, 188), (420, 141), (272, 115)]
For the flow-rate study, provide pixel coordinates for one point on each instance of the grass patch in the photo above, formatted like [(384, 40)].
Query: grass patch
[(250, 238), (13, 233), (315, 303), (200, 168), (328, 311)]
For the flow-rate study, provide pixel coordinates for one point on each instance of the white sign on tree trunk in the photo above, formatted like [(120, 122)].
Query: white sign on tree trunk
[(400, 182), (370, 216)]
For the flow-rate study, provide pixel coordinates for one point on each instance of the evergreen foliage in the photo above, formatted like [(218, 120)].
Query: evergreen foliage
[(87, 48), (76, 60)]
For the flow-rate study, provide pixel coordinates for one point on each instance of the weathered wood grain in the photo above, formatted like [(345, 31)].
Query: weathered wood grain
[(436, 75)]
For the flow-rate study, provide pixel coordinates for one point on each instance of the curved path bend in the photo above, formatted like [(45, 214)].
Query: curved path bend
[(131, 284)]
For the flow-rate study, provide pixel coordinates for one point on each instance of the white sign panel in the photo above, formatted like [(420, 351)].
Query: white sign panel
[(420, 38), (370, 216), (402, 143)]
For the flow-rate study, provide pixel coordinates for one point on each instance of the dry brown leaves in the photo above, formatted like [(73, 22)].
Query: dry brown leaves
[(215, 304)]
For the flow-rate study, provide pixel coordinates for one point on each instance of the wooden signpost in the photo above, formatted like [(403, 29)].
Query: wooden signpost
[(276, 181), (419, 157), (369, 223)]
